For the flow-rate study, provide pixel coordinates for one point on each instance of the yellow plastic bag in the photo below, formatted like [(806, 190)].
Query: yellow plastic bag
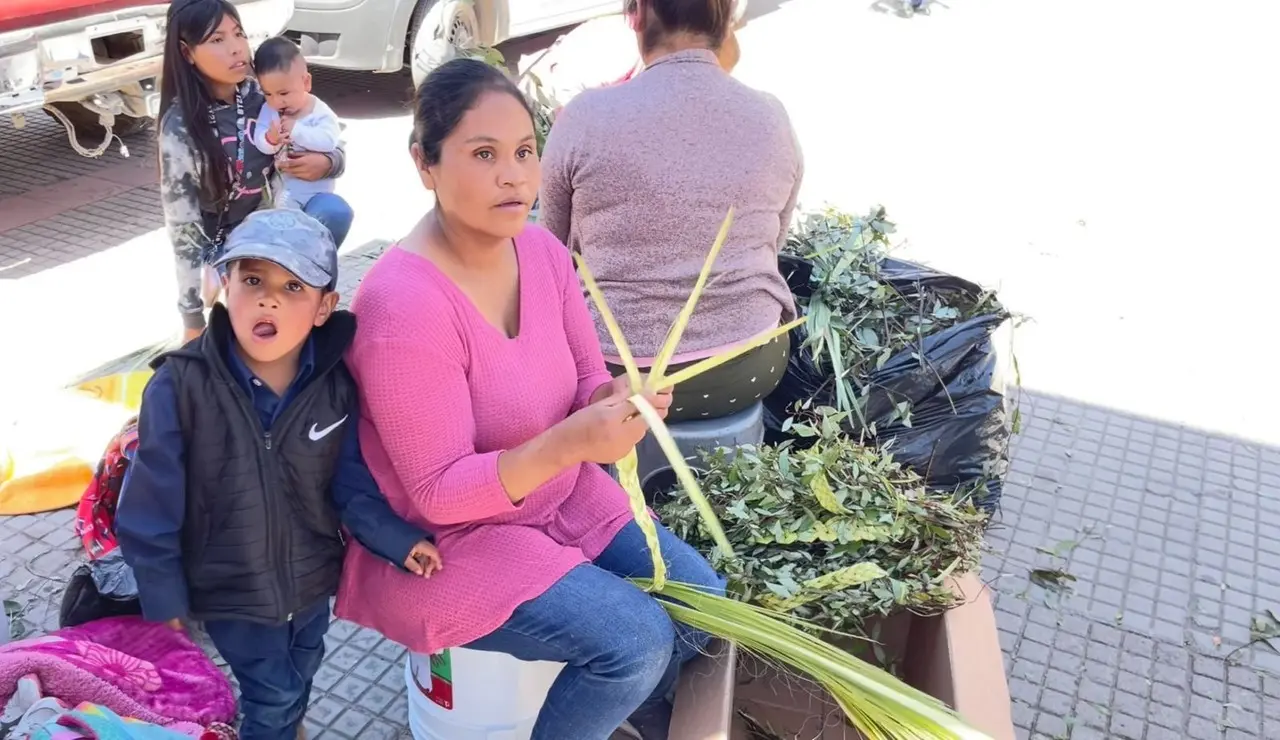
[(121, 389), (48, 457)]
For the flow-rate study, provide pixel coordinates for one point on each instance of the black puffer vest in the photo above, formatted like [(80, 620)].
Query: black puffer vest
[(261, 537)]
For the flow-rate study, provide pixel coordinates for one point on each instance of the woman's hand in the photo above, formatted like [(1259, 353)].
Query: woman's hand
[(607, 430), (308, 166), (189, 334), (602, 432), (660, 401), (620, 387)]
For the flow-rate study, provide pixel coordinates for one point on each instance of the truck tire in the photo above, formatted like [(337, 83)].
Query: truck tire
[(89, 130), (438, 31)]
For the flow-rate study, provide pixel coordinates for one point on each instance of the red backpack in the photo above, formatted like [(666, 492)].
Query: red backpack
[(96, 515)]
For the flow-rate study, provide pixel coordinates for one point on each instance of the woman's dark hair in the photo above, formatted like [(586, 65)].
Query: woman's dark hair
[(658, 19), (448, 93), (192, 22)]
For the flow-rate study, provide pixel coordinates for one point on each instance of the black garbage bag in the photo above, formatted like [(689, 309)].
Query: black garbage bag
[(959, 412)]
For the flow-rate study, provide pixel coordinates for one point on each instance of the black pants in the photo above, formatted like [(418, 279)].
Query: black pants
[(274, 665), (730, 388)]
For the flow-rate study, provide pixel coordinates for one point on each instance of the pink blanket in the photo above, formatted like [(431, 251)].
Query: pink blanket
[(133, 667)]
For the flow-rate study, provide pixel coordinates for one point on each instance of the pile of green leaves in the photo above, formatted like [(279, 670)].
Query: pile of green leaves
[(858, 319), (834, 534)]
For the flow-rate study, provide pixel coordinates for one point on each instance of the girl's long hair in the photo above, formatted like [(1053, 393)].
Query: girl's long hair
[(192, 22)]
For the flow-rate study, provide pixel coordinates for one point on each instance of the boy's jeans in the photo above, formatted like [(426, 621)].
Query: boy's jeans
[(623, 652), (274, 665)]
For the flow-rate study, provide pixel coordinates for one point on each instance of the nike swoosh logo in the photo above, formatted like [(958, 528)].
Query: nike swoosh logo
[(318, 434)]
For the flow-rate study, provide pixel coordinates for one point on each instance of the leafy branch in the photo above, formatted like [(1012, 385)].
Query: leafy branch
[(835, 533), (1263, 628)]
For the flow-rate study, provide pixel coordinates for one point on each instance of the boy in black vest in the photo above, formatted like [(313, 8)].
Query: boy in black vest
[(248, 466)]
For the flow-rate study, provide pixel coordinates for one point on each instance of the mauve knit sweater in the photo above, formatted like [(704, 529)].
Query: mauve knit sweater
[(442, 394), (638, 177)]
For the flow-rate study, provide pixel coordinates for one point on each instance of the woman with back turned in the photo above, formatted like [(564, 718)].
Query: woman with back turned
[(638, 177)]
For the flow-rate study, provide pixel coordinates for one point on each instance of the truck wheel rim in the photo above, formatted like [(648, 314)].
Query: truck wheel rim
[(450, 27), (461, 25)]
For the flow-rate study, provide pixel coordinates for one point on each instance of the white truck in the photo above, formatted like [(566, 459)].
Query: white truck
[(95, 64), (384, 35)]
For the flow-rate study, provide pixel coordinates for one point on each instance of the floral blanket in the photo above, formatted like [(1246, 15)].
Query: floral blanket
[(134, 668)]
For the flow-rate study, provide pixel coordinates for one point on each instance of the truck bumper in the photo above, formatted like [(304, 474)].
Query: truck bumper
[(351, 34), (20, 77), (57, 63)]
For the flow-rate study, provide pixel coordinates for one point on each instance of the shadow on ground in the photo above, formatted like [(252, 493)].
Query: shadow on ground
[(365, 95), (38, 155), (78, 232)]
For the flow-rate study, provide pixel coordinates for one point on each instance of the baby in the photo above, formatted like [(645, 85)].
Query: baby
[(293, 119)]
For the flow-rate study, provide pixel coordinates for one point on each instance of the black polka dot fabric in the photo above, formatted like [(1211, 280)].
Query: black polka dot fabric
[(730, 388)]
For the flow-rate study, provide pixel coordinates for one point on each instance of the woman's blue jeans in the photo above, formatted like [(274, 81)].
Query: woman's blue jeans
[(332, 211), (623, 653)]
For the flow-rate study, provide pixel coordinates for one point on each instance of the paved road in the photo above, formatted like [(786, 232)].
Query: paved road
[(1107, 165)]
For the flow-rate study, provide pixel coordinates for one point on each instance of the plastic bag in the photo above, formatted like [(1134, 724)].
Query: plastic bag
[(82, 601), (49, 453), (959, 412), (113, 577)]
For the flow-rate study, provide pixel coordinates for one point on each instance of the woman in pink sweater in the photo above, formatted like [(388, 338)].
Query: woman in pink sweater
[(486, 415)]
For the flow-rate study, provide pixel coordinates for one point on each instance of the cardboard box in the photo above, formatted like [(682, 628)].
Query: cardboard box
[(955, 657)]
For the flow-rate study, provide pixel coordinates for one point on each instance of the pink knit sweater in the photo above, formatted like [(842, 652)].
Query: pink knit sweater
[(443, 393), (638, 177)]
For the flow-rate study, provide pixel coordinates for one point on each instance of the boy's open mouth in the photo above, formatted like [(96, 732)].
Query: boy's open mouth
[(264, 330)]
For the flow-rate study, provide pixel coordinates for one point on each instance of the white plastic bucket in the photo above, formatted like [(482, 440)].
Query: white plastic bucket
[(462, 694)]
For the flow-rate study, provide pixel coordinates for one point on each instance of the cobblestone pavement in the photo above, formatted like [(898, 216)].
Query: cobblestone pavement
[(1176, 532), (1173, 537)]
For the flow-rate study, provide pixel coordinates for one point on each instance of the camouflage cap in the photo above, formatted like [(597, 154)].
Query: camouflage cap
[(289, 238)]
